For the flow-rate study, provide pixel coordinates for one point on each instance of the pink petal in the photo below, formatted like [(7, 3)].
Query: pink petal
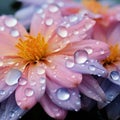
[(45, 20), (10, 25), (32, 88), (95, 49), (73, 28), (113, 32), (91, 88), (7, 45), (57, 72), (56, 112)]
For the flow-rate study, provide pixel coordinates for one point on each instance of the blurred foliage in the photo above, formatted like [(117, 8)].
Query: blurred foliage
[(8, 6)]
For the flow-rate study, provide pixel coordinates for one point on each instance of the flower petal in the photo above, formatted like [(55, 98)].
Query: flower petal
[(32, 88), (111, 92), (44, 21), (56, 112), (113, 109), (87, 67), (90, 87), (65, 98), (57, 72), (9, 109), (8, 82), (10, 25)]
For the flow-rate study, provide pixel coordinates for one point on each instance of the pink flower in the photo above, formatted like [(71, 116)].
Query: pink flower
[(29, 8), (35, 64)]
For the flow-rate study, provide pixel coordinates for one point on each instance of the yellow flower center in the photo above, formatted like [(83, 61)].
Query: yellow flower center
[(114, 55), (94, 6), (32, 48)]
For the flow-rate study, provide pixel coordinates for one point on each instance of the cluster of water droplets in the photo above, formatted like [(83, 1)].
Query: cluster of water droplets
[(83, 64), (9, 24)]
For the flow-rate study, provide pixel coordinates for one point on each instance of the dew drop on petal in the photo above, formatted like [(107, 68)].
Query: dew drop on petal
[(63, 94), (42, 80), (69, 63), (92, 68), (12, 77), (2, 92), (14, 33), (22, 82), (49, 21), (114, 75), (80, 56), (29, 92), (73, 18), (53, 8), (41, 71), (62, 32), (89, 50), (10, 22), (2, 28), (40, 11)]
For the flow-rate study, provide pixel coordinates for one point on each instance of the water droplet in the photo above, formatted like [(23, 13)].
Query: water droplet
[(53, 8), (49, 21), (22, 82), (2, 92), (29, 92), (115, 75), (92, 68), (32, 83), (63, 94), (76, 32), (41, 71), (102, 52), (73, 18), (80, 56), (89, 50), (42, 80), (12, 114), (12, 77), (10, 22), (14, 33), (2, 28), (69, 63), (60, 4), (40, 11), (62, 32)]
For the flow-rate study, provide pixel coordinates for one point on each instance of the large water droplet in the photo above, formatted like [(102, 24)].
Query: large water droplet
[(10, 22), (63, 94), (53, 8), (29, 92), (14, 33), (49, 21), (80, 56), (12, 77), (69, 63), (115, 75), (62, 32)]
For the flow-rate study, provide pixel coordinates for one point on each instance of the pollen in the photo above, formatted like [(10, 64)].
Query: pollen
[(32, 48), (114, 55), (94, 6)]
